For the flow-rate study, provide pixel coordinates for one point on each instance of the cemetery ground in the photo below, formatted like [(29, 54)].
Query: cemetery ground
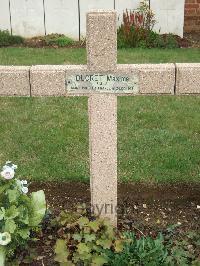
[(158, 150)]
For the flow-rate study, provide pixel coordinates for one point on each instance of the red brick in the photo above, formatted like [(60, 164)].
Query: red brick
[(188, 6), (190, 12), (190, 1), (192, 16)]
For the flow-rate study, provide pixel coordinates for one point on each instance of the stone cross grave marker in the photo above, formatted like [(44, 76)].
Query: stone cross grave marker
[(102, 83), (102, 80)]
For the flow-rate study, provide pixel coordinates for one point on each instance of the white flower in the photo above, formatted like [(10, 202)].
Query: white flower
[(14, 166), (22, 186), (8, 172), (25, 190), (5, 238), (24, 182), (11, 165)]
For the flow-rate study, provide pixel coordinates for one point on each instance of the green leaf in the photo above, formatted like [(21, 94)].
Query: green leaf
[(89, 237), (38, 208), (104, 243), (23, 214), (61, 251), (11, 213), (196, 262), (69, 263), (107, 223), (198, 243), (109, 229), (24, 233), (83, 248), (2, 255), (81, 209), (83, 221), (77, 237), (2, 213), (86, 230), (119, 245), (83, 257), (67, 217), (94, 225), (4, 188), (99, 261), (10, 226), (12, 195)]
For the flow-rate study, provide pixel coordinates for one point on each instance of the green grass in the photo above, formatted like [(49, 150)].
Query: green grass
[(158, 137), (140, 56), (31, 56)]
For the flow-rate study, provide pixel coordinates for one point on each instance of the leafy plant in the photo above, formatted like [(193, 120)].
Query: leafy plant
[(184, 249), (59, 40), (130, 32), (7, 39), (136, 30), (163, 250), (136, 25), (148, 16), (4, 38), (170, 41), (85, 241), (19, 213), (143, 251)]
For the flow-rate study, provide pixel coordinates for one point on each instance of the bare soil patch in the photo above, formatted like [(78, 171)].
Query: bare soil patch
[(141, 205), (145, 209)]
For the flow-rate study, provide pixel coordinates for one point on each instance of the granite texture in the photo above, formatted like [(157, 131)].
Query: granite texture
[(101, 40), (14, 81), (102, 109), (188, 79), (156, 78), (49, 80), (103, 154)]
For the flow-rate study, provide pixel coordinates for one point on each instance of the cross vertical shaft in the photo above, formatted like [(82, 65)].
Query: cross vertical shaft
[(101, 58)]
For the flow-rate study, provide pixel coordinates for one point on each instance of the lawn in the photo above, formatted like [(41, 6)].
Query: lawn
[(28, 56), (158, 137)]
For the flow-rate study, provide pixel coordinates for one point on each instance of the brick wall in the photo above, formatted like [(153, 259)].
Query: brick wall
[(192, 16)]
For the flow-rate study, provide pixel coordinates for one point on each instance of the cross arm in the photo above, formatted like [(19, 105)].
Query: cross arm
[(46, 80)]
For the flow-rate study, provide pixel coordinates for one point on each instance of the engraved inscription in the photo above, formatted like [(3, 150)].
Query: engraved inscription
[(99, 83)]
